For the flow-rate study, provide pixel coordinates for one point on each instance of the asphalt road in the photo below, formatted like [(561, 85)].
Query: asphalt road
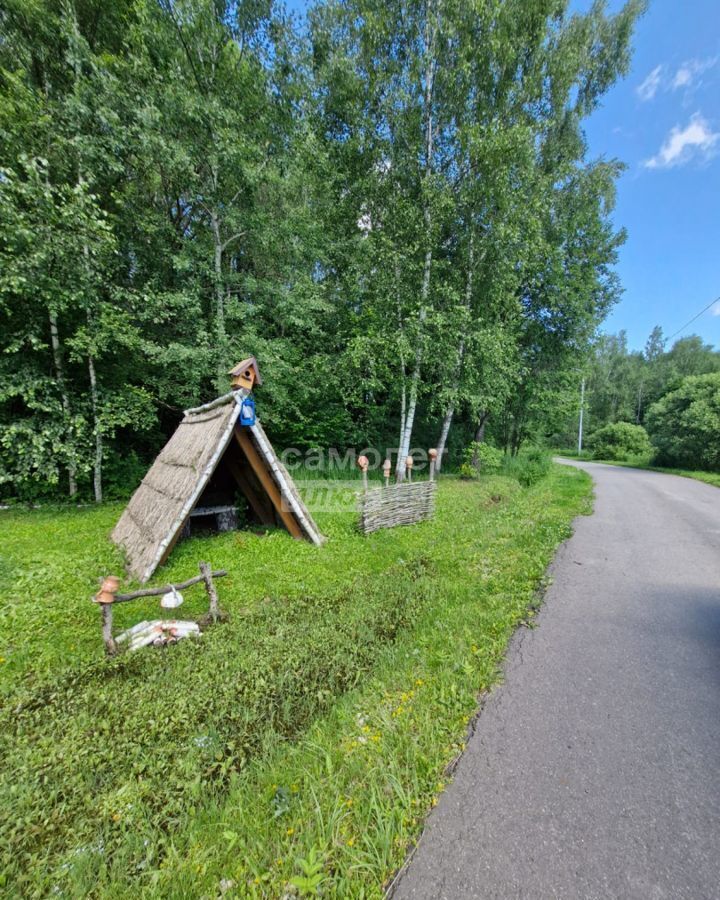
[(594, 771)]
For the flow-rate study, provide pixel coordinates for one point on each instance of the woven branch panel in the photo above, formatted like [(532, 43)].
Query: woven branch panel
[(400, 504)]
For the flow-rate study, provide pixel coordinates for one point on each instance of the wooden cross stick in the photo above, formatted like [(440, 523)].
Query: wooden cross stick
[(154, 592)]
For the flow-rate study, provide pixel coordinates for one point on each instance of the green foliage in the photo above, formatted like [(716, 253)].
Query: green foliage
[(685, 424), (620, 440), (529, 466), (302, 740), (622, 384), (480, 457), (123, 474), (272, 675), (186, 183), (312, 875)]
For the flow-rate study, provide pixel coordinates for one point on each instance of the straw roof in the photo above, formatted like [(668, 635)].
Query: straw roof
[(157, 511), (167, 494)]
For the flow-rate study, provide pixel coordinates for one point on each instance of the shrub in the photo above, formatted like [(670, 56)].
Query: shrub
[(685, 424), (480, 457), (529, 467), (122, 474), (620, 440)]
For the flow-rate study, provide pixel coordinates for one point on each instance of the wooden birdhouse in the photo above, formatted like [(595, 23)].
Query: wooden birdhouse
[(245, 374)]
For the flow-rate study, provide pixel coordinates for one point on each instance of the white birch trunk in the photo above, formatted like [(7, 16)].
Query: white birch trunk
[(92, 375), (450, 412), (57, 351), (403, 368), (64, 397), (219, 297), (480, 435), (219, 288), (444, 432), (431, 26), (406, 434), (97, 468), (94, 399)]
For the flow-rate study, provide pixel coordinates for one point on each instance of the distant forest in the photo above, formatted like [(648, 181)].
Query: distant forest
[(390, 204), (668, 395), (623, 384)]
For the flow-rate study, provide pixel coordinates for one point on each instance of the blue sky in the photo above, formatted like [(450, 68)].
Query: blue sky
[(663, 122)]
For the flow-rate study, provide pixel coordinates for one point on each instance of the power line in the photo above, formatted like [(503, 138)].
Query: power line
[(711, 304)]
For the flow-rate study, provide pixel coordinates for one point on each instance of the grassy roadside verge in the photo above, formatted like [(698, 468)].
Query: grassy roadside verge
[(643, 463), (295, 749)]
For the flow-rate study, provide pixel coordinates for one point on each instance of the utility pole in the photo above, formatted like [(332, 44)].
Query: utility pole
[(582, 410)]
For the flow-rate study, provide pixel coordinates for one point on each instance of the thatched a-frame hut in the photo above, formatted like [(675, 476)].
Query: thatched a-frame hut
[(199, 473)]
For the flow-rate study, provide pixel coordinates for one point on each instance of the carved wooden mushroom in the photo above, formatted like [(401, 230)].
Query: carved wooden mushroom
[(108, 589), (408, 467), (106, 597), (432, 453), (387, 466), (363, 463)]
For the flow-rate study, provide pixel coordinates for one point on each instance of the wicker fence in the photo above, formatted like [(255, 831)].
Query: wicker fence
[(398, 504)]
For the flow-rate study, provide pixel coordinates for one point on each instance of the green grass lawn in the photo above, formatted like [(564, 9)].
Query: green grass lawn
[(644, 463), (292, 750)]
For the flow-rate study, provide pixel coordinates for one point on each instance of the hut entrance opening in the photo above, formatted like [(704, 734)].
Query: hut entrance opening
[(234, 497)]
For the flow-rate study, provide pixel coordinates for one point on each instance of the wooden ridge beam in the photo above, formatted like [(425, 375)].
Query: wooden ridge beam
[(267, 481)]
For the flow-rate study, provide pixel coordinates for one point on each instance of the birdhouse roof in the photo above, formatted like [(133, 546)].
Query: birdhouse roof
[(249, 363)]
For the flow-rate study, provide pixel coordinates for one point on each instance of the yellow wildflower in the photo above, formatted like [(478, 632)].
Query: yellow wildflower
[(290, 832)]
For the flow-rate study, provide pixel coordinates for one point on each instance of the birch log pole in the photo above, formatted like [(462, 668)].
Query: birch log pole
[(409, 462), (106, 597), (363, 464), (387, 466), (206, 572)]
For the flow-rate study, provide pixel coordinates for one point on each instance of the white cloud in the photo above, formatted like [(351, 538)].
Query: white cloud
[(649, 87), (715, 309), (686, 75), (683, 77), (684, 144), (690, 70)]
